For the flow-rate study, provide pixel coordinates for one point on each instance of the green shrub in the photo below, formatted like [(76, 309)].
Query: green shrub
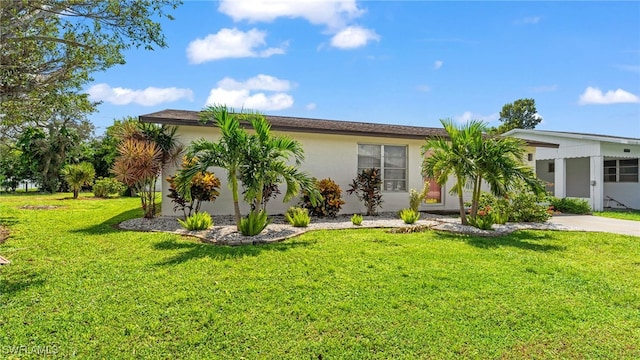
[(331, 202), (105, 187), (409, 216), (356, 219), (204, 187), (499, 207), (526, 207), (254, 223), (197, 221), (484, 220), (298, 217), (570, 205), (415, 198), (366, 186)]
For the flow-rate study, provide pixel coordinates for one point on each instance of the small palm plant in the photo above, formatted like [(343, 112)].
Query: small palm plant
[(298, 217), (197, 221), (356, 219), (254, 223), (409, 216), (78, 175)]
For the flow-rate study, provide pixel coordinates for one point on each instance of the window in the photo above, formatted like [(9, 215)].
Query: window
[(552, 167), (390, 159), (529, 157), (622, 170)]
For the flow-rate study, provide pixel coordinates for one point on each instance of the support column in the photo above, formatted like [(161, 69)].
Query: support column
[(597, 182), (560, 178)]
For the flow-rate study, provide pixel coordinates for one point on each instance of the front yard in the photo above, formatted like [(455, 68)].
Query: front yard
[(77, 286)]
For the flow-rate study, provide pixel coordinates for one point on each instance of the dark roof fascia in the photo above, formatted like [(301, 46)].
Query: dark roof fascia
[(319, 126), (306, 125)]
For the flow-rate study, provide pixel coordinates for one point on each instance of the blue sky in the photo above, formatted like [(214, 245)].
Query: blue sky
[(396, 62)]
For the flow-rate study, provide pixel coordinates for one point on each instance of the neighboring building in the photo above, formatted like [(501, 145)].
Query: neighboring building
[(336, 150), (599, 168)]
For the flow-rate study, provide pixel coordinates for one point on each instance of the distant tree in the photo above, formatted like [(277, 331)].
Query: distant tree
[(521, 114), (43, 153), (78, 175), (11, 169)]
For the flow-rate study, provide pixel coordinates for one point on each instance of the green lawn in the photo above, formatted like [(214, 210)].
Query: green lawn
[(620, 214), (77, 287)]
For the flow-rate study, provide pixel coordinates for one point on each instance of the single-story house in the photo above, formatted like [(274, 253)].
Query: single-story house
[(599, 168), (333, 149)]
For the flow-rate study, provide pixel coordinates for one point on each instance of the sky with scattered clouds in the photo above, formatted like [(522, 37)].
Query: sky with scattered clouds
[(395, 62)]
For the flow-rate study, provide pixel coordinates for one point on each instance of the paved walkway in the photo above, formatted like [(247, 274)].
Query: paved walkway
[(598, 223)]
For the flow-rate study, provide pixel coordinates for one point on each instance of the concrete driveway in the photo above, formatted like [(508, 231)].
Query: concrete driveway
[(598, 223)]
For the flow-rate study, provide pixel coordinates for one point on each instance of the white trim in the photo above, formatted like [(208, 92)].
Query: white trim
[(594, 137)]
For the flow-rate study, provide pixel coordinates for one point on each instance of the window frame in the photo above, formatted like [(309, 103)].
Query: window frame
[(613, 170), (381, 166)]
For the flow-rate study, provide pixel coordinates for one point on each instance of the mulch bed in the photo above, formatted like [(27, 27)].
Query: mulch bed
[(4, 234), (39, 207)]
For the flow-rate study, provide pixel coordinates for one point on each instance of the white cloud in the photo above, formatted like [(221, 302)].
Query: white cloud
[(231, 43), (593, 95), (147, 97), (311, 106), (468, 116), (334, 14), (437, 64), (528, 20), (353, 37), (238, 94), (260, 82)]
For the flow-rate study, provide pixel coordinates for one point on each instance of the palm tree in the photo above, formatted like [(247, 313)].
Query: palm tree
[(453, 156), (472, 157), (499, 164), (268, 161), (258, 160), (78, 175), (227, 153)]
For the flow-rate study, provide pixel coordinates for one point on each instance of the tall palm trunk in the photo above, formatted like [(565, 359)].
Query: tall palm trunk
[(236, 201), (475, 200), (463, 215)]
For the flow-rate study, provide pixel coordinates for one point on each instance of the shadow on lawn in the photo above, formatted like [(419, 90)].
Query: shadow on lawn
[(10, 287), (109, 225), (220, 252), (521, 239)]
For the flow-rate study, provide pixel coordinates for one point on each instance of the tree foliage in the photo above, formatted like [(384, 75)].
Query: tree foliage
[(521, 114), (50, 48)]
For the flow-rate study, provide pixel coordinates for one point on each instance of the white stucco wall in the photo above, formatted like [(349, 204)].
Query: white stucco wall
[(333, 156), (626, 193)]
